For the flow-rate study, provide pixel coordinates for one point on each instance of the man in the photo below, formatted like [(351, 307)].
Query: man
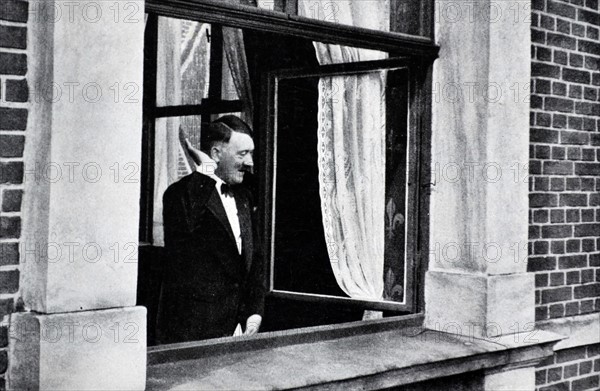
[(214, 275)]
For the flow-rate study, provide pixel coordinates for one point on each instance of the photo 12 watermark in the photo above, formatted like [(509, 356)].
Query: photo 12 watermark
[(479, 172), (472, 12), (65, 332), (82, 12), (82, 172), (55, 251), (474, 252), (86, 91)]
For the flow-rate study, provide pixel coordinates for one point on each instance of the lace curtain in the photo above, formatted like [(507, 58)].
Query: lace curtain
[(351, 152), (168, 93)]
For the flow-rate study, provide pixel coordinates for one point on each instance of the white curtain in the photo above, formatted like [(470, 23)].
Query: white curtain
[(235, 52), (168, 93), (351, 153)]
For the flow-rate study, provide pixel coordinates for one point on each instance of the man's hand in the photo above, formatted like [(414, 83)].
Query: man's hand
[(193, 152), (253, 324)]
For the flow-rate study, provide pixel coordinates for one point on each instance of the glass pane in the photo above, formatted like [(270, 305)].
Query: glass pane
[(170, 162), (402, 16), (183, 63), (170, 159), (191, 126), (373, 15), (228, 88), (170, 133), (341, 172)]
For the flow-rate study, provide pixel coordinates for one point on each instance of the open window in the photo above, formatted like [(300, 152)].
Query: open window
[(341, 157), (343, 182)]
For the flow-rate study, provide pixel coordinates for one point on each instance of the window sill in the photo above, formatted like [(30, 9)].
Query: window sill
[(367, 355)]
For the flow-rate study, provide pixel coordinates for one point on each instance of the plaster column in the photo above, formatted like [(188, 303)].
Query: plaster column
[(480, 151), (81, 329), (477, 283)]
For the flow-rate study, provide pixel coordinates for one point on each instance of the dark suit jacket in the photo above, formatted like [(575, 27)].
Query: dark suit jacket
[(208, 287)]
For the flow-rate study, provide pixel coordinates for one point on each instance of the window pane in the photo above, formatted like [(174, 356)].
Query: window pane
[(341, 176), (402, 16), (228, 88), (373, 15), (183, 63), (172, 160)]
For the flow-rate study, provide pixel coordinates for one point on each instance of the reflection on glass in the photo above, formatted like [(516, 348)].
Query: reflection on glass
[(402, 16), (184, 63), (340, 193), (368, 14)]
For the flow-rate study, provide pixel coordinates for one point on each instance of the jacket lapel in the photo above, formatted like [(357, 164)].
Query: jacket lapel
[(215, 205), (204, 194)]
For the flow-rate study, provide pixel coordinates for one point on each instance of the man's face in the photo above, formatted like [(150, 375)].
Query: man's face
[(234, 158)]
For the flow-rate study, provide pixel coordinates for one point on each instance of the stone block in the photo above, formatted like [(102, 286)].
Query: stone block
[(510, 302), (89, 350), (490, 305), (480, 198), (516, 379), (81, 197)]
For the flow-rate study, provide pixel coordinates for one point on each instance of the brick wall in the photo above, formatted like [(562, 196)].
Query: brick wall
[(571, 369), (565, 158), (564, 219), (14, 96)]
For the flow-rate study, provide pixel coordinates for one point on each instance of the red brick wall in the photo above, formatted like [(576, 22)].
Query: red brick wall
[(14, 96), (564, 230), (564, 226)]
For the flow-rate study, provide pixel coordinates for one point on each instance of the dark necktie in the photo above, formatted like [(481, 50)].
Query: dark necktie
[(226, 189)]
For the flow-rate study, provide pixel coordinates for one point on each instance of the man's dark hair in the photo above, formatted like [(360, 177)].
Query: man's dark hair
[(220, 131)]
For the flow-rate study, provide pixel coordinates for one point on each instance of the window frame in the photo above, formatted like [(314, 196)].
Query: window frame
[(416, 99), (243, 16), (419, 50)]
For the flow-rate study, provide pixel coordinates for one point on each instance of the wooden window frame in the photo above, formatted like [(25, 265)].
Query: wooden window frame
[(242, 16), (417, 98)]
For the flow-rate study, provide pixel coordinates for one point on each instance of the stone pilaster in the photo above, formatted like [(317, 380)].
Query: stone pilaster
[(81, 199), (477, 283)]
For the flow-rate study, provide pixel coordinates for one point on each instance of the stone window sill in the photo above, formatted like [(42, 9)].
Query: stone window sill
[(366, 355)]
